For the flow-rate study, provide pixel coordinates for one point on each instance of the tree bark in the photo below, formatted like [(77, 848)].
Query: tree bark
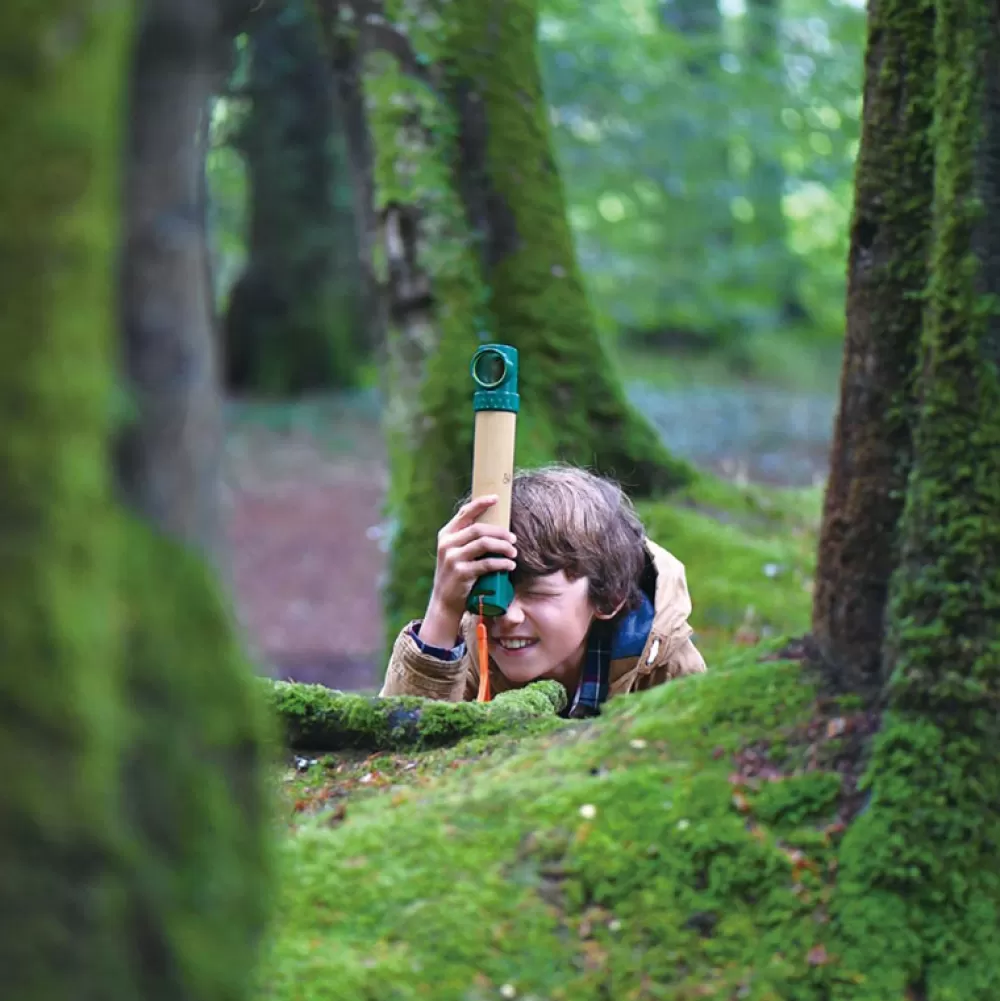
[(943, 650), (168, 456), (294, 321), (887, 272)]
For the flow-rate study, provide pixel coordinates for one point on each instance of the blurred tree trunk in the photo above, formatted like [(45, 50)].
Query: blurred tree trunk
[(887, 272), (476, 244), (133, 818), (295, 320), (169, 455), (919, 869), (774, 264), (343, 44), (194, 789), (58, 743)]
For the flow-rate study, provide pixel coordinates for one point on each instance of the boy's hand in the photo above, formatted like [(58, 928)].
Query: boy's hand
[(461, 544)]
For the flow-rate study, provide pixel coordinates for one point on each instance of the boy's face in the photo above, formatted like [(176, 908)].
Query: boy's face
[(553, 614)]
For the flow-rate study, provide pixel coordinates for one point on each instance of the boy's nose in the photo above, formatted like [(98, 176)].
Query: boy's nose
[(515, 614)]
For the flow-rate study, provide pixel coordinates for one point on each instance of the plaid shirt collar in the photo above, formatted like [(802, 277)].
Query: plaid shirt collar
[(606, 641)]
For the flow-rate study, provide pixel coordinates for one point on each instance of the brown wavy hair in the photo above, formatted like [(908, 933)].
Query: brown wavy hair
[(567, 518)]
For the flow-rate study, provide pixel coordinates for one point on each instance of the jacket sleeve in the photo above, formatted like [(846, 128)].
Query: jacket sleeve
[(683, 660), (418, 669), (686, 659)]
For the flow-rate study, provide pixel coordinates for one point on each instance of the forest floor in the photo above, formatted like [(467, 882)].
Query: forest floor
[(306, 481)]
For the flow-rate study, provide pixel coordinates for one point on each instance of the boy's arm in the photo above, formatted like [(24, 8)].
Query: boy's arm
[(416, 668), (685, 659)]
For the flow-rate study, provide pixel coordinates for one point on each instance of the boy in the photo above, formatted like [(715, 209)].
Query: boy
[(597, 606)]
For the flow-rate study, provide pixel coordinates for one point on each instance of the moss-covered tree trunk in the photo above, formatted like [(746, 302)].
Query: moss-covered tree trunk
[(60, 96), (574, 407), (169, 451), (887, 272), (922, 888), (295, 319)]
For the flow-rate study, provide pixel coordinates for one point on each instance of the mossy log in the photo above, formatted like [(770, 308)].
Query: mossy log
[(316, 718)]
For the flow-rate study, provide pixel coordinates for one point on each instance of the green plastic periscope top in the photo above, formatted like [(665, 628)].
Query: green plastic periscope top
[(494, 372)]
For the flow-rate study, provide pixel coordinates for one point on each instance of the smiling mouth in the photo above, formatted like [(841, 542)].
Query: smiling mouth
[(512, 646)]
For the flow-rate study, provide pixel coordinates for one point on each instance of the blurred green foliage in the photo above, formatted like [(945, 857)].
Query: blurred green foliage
[(707, 151), (671, 173)]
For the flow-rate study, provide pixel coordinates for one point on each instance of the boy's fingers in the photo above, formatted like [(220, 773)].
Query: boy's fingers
[(476, 568), (462, 538), (482, 545), (468, 513)]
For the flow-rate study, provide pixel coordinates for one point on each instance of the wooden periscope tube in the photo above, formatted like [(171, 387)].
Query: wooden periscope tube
[(496, 403)]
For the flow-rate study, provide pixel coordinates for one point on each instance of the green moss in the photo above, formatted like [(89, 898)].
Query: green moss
[(609, 859), (797, 799), (321, 719)]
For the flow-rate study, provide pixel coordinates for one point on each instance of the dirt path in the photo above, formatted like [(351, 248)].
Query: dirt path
[(307, 564)]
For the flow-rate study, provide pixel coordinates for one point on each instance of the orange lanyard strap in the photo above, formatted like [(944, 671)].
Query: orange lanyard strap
[(484, 657)]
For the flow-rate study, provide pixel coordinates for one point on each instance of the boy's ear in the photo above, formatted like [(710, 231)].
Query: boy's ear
[(612, 613)]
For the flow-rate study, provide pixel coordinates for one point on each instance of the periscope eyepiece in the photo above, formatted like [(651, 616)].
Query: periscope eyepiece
[(489, 368)]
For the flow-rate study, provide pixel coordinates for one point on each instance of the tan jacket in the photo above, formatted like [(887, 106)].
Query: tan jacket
[(668, 653)]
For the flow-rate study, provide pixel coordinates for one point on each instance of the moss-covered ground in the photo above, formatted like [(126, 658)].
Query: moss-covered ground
[(684, 845)]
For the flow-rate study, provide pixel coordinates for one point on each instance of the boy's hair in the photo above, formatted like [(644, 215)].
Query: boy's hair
[(567, 518)]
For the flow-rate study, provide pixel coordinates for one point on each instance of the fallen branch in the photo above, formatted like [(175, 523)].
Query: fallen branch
[(316, 718)]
